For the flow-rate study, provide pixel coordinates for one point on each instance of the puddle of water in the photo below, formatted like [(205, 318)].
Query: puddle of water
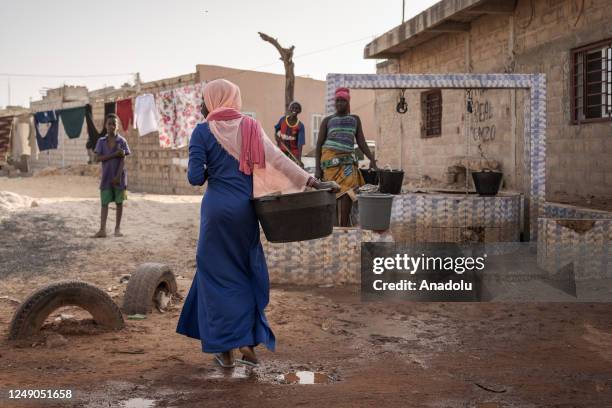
[(137, 403), (305, 377)]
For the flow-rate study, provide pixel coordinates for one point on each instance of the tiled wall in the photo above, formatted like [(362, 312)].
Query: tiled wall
[(335, 259), (434, 217)]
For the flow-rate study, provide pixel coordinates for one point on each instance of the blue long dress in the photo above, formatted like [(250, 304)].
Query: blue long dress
[(230, 289)]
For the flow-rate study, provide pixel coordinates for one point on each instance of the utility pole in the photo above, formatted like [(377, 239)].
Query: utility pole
[(403, 10), (8, 85)]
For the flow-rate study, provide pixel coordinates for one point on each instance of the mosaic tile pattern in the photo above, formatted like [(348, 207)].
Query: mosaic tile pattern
[(335, 259), (554, 210), (418, 217), (585, 242), (535, 151)]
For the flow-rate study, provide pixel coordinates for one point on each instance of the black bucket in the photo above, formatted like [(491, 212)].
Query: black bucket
[(487, 183), (297, 217), (370, 176), (391, 181)]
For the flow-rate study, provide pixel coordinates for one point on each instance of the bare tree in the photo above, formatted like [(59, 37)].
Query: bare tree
[(287, 58)]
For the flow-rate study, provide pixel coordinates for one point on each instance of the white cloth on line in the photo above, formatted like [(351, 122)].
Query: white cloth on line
[(145, 114)]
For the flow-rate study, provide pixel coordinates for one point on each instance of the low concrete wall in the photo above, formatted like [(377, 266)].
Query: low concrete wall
[(555, 210), (335, 259), (443, 217), (582, 241)]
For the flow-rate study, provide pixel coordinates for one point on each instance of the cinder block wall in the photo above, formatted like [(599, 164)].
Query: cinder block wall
[(578, 163)]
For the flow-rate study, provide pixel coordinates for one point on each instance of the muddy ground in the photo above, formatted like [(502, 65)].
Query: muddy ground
[(372, 354)]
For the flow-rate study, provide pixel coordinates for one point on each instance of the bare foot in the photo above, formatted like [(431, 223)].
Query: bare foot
[(100, 234), (118, 233)]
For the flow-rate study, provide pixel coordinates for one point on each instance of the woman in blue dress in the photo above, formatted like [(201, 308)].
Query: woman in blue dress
[(230, 290)]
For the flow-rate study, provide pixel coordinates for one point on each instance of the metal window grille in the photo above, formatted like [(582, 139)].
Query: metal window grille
[(592, 83), (432, 109)]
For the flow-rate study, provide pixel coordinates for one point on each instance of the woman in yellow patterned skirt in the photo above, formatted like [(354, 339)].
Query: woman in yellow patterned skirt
[(335, 154)]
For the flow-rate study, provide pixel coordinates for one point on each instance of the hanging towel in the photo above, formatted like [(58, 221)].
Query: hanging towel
[(92, 132), (145, 114), (72, 119), (6, 124), (47, 141), (22, 136), (109, 107), (125, 113), (188, 106), (166, 113)]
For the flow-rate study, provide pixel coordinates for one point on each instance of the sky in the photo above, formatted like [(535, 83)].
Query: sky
[(54, 42)]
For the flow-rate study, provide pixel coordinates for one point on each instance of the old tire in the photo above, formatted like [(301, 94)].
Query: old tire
[(32, 313), (143, 285)]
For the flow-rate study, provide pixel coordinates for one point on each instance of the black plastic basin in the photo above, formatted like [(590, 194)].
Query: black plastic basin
[(298, 216), (391, 181), (487, 183), (370, 176)]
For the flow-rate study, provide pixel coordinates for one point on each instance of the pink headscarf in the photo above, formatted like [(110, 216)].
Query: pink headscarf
[(273, 172), (343, 93), (223, 101)]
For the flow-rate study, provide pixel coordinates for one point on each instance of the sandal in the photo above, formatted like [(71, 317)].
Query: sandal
[(223, 358), (248, 356)]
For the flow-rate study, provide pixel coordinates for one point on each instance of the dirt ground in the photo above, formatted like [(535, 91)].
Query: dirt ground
[(370, 354)]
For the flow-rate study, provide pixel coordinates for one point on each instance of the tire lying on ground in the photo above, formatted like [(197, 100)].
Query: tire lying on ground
[(145, 285), (33, 311)]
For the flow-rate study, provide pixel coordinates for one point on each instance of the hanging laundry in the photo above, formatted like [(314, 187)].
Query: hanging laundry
[(166, 113), (47, 141), (125, 112), (23, 139), (145, 114), (188, 106), (109, 107), (72, 119), (23, 142), (6, 124), (92, 133)]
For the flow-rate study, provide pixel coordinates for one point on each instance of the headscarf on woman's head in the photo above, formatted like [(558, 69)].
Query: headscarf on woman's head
[(344, 93), (245, 140), (222, 94)]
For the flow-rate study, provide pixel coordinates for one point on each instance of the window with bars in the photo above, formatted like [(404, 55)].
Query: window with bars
[(431, 108), (592, 83)]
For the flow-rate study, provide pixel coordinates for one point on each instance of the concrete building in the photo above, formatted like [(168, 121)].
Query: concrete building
[(569, 41)]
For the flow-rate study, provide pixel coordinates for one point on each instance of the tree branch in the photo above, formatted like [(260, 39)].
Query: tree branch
[(287, 58)]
